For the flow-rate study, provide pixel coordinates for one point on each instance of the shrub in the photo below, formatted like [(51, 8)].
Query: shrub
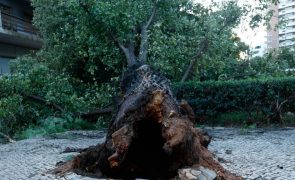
[(271, 97), (34, 92)]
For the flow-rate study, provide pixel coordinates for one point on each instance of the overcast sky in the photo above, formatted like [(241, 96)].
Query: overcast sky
[(249, 36)]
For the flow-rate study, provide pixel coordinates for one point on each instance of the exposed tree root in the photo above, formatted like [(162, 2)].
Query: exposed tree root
[(151, 136)]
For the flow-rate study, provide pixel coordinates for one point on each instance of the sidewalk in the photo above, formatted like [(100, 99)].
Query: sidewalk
[(257, 154)]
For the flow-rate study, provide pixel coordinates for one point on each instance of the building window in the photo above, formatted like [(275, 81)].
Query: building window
[(5, 9), (17, 24), (6, 15)]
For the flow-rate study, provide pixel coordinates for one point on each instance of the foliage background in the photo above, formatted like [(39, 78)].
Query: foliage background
[(256, 99), (79, 67)]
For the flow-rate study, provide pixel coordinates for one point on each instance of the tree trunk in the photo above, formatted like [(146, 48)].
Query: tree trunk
[(150, 136)]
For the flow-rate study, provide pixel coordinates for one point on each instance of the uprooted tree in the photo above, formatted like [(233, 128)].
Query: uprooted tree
[(151, 135), (85, 46), (76, 72), (88, 42)]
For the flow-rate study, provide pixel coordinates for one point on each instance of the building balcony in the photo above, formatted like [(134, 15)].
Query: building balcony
[(291, 23), (286, 31), (19, 32), (286, 38), (287, 12), (17, 24), (286, 5), (289, 44)]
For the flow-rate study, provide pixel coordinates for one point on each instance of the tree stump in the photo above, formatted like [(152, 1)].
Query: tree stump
[(150, 136)]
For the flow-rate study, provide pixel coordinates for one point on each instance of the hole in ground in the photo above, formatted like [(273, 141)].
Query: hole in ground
[(146, 157)]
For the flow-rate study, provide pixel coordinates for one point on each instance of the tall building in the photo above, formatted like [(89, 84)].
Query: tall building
[(272, 36), (258, 50), (287, 13), (17, 34)]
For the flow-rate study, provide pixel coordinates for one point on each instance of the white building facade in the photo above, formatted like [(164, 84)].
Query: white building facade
[(287, 13), (258, 50)]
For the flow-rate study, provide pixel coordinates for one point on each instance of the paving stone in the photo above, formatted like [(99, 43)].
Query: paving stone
[(33, 158), (253, 155), (256, 155)]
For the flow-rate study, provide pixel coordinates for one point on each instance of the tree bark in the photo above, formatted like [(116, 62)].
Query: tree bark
[(151, 135), (144, 36)]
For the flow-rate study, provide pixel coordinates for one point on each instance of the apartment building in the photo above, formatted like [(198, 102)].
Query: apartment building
[(258, 50), (287, 13), (17, 34), (272, 37)]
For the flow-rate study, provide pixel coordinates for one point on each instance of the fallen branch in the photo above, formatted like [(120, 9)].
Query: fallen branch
[(83, 115), (94, 113), (203, 48), (71, 149), (10, 140), (42, 100)]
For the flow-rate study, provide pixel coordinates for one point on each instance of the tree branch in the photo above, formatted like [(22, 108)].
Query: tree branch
[(285, 101), (10, 140), (201, 50), (129, 54), (43, 101), (95, 112), (84, 115), (128, 51), (204, 47), (144, 36), (227, 22), (149, 22), (39, 99)]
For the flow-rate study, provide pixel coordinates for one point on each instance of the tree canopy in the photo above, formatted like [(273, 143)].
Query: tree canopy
[(85, 38), (87, 45)]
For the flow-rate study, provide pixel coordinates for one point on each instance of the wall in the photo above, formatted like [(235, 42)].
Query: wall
[(12, 51), (272, 38), (4, 65)]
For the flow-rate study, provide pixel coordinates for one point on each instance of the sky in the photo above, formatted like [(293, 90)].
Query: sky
[(249, 36)]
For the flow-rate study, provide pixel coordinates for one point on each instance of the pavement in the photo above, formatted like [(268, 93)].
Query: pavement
[(32, 159), (261, 154)]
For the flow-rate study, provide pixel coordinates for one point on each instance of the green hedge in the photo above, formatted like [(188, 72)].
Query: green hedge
[(213, 98)]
